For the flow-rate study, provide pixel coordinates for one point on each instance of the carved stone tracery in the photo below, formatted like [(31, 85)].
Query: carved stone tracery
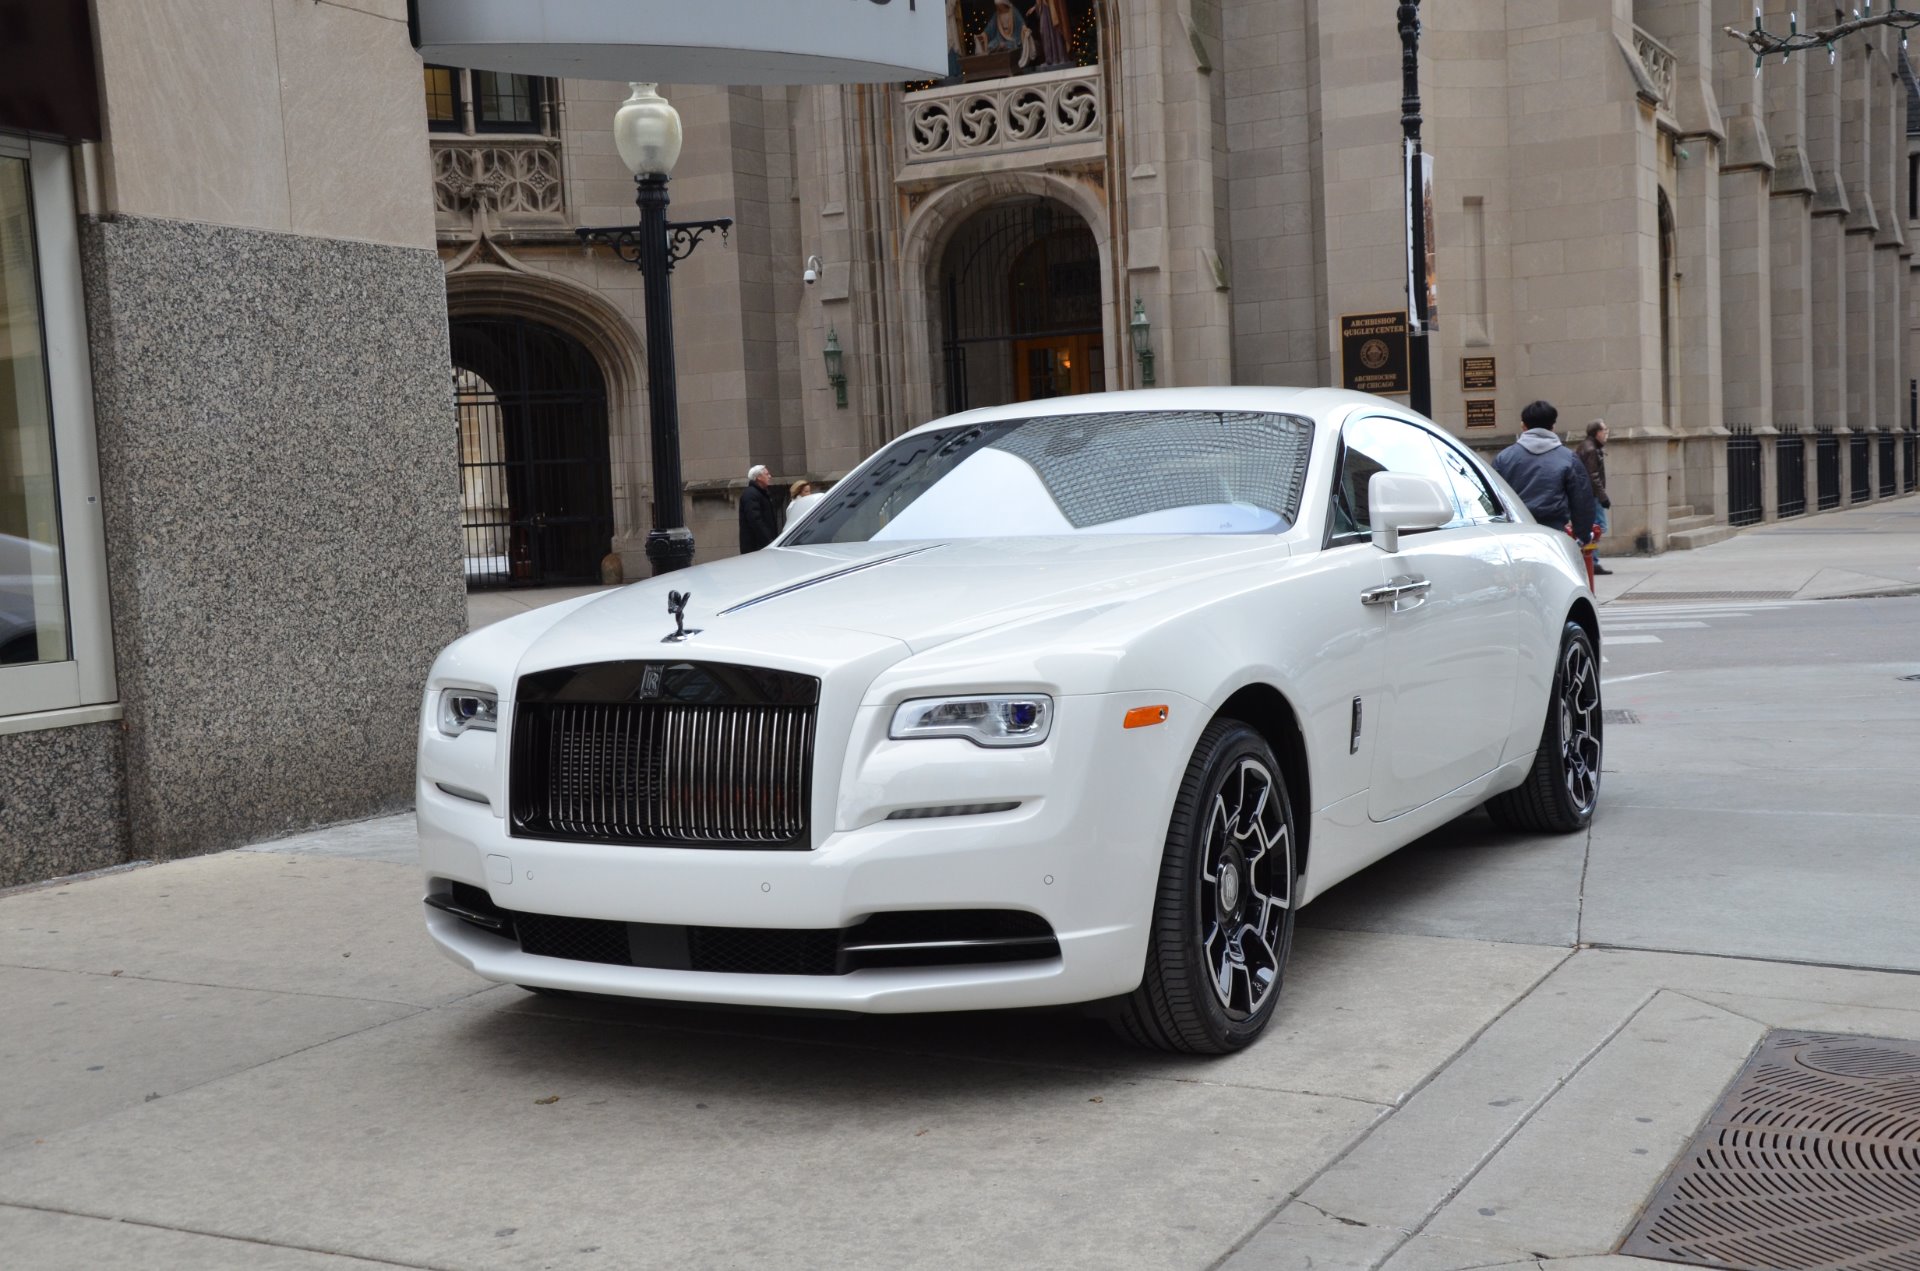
[(510, 179)]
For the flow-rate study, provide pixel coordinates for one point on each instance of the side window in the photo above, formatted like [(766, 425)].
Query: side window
[(1470, 489), (1378, 445)]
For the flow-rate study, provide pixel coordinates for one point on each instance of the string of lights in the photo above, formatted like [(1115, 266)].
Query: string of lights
[(1766, 44)]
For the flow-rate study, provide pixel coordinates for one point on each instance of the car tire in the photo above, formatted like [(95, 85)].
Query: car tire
[(1223, 914), (1563, 786)]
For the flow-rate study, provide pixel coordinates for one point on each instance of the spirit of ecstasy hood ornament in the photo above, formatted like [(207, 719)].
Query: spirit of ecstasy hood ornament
[(677, 606)]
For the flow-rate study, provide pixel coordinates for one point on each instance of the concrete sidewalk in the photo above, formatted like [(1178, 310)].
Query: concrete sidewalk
[(1868, 551)]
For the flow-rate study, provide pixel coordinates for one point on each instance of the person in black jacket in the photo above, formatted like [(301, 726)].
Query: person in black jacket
[(1548, 477), (758, 523)]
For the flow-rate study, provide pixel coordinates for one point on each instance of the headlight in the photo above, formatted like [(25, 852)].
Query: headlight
[(462, 709), (1012, 720)]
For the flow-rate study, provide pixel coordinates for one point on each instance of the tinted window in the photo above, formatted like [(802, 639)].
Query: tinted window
[(1470, 489), (1379, 445), (1131, 472)]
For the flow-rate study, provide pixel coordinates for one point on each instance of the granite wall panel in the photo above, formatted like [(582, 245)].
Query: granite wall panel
[(281, 485), (63, 802)]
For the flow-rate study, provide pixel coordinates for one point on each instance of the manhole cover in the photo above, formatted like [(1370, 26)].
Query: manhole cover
[(1618, 717), (1634, 597), (1810, 1163)]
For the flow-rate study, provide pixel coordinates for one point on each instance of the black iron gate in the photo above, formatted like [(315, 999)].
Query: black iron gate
[(1910, 464), (1889, 474), (1743, 476), (535, 479), (1827, 467), (1790, 472), (1860, 451), (1019, 303)]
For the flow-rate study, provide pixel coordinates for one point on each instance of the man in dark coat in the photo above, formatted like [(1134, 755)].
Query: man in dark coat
[(758, 524), (1549, 478), (1593, 453)]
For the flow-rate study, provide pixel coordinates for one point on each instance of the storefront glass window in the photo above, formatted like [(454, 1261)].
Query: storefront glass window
[(33, 600)]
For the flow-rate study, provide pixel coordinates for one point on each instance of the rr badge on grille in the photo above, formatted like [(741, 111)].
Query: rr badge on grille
[(677, 606)]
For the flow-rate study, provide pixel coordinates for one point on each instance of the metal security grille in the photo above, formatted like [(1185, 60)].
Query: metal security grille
[(536, 481), (1790, 472), (1810, 1163), (1860, 455), (680, 754), (1018, 272), (1743, 476), (1889, 475), (1827, 468)]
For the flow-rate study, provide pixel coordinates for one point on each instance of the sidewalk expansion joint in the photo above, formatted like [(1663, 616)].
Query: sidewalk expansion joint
[(1298, 1193), (234, 988), (374, 1259), (1603, 947), (1487, 1157)]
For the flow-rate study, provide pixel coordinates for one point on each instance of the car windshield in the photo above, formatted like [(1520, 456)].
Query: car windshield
[(1131, 472)]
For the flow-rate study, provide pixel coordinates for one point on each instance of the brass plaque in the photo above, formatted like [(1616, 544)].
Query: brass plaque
[(1373, 352), (1481, 413), (1477, 375)]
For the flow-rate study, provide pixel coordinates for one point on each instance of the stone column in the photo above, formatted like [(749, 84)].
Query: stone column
[(1746, 254), (1890, 246), (1791, 233), (1857, 128), (1686, 27)]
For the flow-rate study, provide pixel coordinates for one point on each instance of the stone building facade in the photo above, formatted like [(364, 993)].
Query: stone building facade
[(1629, 223), (228, 513)]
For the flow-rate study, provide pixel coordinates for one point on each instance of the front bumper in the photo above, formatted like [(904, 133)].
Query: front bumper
[(1084, 856)]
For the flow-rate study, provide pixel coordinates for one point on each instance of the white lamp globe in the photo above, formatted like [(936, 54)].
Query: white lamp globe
[(646, 131)]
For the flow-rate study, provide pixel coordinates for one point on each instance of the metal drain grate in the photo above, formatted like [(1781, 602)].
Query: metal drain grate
[(1810, 1163), (1618, 717), (1634, 597)]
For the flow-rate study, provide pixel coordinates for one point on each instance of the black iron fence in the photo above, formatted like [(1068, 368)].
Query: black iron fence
[(1743, 476), (1889, 475), (1826, 454), (1860, 463), (1910, 464), (1790, 472)]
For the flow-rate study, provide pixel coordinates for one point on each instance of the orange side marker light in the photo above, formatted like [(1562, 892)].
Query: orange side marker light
[(1146, 716)]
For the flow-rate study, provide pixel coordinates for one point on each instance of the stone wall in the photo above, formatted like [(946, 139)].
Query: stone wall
[(63, 802), (278, 466)]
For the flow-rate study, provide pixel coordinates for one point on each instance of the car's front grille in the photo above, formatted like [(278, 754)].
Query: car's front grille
[(914, 938), (669, 753)]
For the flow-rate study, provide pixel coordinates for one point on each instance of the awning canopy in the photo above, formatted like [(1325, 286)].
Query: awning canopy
[(689, 41)]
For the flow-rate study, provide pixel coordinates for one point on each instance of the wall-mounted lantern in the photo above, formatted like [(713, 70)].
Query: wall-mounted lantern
[(835, 376), (1142, 340)]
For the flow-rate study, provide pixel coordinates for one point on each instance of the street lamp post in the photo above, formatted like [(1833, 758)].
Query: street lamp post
[(1419, 376), (646, 130)]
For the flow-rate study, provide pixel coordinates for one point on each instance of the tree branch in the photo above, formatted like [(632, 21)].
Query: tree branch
[(1765, 43)]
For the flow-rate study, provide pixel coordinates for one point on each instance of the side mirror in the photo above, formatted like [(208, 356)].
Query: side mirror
[(1399, 501)]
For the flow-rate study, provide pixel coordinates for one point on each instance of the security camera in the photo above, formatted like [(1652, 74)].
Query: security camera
[(812, 273)]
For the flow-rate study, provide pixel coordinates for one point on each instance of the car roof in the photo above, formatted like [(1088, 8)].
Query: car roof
[(1315, 403)]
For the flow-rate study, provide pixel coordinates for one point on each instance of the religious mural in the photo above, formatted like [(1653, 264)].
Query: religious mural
[(992, 39)]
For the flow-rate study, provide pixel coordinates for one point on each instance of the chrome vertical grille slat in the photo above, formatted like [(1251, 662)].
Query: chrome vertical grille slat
[(676, 754)]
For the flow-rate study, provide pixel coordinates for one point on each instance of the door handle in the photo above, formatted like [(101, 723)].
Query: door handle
[(1401, 587)]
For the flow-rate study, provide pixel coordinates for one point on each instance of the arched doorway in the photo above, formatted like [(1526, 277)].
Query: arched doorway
[(1019, 287), (536, 486)]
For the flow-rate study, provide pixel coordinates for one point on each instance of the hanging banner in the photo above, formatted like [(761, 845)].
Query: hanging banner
[(1421, 273), (674, 42)]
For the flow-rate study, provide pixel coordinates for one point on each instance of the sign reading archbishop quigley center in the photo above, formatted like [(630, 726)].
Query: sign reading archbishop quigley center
[(689, 41)]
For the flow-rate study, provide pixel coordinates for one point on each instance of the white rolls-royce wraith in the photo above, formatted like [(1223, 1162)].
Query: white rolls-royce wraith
[(1067, 702)]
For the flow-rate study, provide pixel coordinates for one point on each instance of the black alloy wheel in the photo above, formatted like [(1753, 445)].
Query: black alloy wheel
[(1563, 786), (1223, 917)]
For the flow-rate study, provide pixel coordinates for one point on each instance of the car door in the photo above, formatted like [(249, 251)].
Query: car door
[(1451, 656)]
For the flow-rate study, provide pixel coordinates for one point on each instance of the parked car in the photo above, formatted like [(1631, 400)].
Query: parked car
[(1066, 702)]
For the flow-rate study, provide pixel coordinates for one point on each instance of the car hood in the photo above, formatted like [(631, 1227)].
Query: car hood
[(920, 594)]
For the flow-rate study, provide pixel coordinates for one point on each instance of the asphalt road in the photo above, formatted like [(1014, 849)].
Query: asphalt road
[(1761, 793)]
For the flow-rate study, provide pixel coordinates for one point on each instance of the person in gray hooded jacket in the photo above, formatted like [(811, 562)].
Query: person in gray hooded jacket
[(1548, 477)]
